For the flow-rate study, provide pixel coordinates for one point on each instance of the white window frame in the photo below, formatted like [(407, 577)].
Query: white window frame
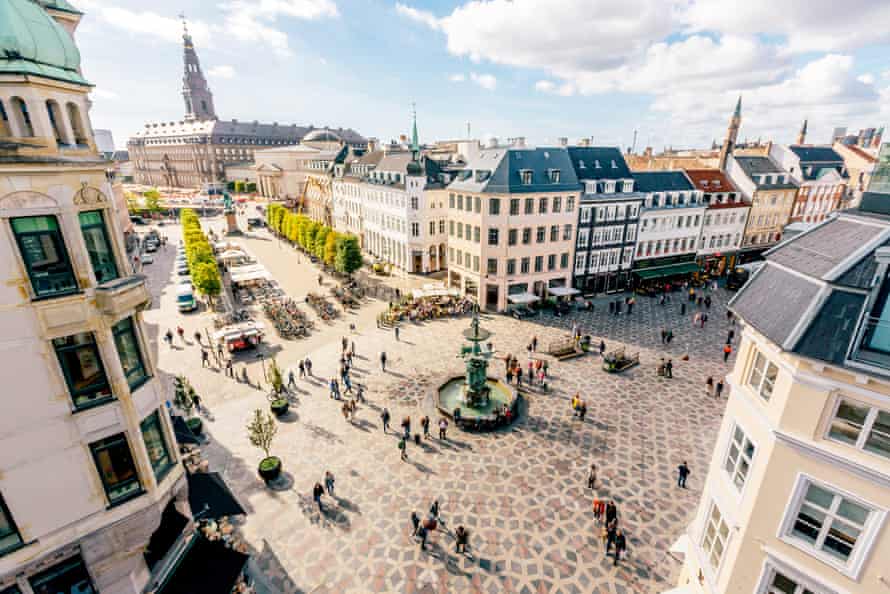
[(864, 544), (585, 214), (867, 425), (760, 383), (773, 566), (705, 549), (730, 477)]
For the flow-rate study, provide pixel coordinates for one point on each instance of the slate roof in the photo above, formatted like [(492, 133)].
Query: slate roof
[(218, 129), (661, 181), (828, 336), (498, 170), (821, 249), (598, 163), (755, 166), (816, 154)]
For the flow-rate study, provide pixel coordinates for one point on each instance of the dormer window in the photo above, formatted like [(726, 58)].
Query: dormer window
[(596, 164), (526, 176), (717, 182), (628, 185), (704, 183), (614, 164), (581, 165), (610, 187), (554, 175)]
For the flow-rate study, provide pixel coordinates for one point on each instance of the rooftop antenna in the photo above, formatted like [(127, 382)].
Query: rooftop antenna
[(185, 28)]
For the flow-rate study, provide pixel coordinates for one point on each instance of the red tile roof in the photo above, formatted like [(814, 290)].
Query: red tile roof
[(710, 180)]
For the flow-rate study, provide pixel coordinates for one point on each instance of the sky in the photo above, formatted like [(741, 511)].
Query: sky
[(671, 70)]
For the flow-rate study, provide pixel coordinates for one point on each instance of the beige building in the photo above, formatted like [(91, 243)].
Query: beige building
[(798, 490), (88, 461), (860, 164), (512, 214)]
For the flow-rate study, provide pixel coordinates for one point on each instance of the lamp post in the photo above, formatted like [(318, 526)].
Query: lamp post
[(263, 363)]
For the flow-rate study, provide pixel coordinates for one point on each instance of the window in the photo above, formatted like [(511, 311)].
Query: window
[(739, 457), (476, 233), (475, 262), (477, 202), (526, 176), (512, 236), (10, 539), (827, 522), (451, 228), (116, 468), (715, 537), (82, 368), (864, 427), (585, 215), (156, 445), (130, 355), (539, 263), (554, 176), (460, 202), (432, 227), (69, 576), (43, 251), (557, 204), (524, 265), (542, 205), (782, 584), (570, 204), (511, 266), (98, 247), (415, 229), (763, 376), (494, 206), (529, 206), (491, 267), (493, 234), (442, 226), (460, 231), (450, 200), (527, 235), (415, 202), (567, 233), (579, 262), (554, 233), (564, 260), (582, 238), (514, 206), (551, 262), (541, 234)]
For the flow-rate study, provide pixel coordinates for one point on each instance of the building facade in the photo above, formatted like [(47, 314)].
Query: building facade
[(771, 193), (724, 221), (87, 456), (797, 494), (670, 226), (608, 217), (511, 224), (860, 164), (197, 149), (821, 175)]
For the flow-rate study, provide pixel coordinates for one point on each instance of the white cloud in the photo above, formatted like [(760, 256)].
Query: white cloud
[(456, 78), (551, 88), (221, 71), (99, 93), (867, 78), (486, 81), (421, 16)]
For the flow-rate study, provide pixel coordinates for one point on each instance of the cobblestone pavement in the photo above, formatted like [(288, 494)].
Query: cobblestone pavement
[(521, 492)]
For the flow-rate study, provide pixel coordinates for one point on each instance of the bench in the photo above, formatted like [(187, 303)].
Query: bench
[(618, 360), (564, 349)]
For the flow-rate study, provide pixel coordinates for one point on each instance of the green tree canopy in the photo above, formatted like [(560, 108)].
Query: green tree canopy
[(349, 254), (330, 248), (205, 276), (152, 200)]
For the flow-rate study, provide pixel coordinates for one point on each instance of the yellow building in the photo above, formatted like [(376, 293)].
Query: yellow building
[(798, 489)]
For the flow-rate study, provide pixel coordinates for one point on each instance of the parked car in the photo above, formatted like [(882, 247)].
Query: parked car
[(151, 246), (185, 298), (185, 280), (182, 269), (522, 311), (147, 259)]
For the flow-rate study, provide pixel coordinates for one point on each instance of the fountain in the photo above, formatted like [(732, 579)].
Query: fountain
[(475, 400)]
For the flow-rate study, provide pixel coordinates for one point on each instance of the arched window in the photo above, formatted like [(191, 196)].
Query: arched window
[(22, 117), (55, 119), (5, 129), (80, 137)]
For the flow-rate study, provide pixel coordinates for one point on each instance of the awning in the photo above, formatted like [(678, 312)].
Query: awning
[(162, 539), (249, 272), (669, 270), (181, 431), (210, 497), (523, 298), (206, 567), (562, 291)]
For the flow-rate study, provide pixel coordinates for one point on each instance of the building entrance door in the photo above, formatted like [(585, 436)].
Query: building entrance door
[(418, 263), (491, 297)]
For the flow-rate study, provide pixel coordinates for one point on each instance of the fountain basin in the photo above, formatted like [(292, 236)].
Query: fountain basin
[(452, 394)]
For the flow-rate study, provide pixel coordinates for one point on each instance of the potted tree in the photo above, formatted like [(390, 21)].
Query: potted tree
[(184, 398), (261, 431), (278, 404)]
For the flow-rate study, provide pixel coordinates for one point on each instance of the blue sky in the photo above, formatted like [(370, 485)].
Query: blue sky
[(537, 68)]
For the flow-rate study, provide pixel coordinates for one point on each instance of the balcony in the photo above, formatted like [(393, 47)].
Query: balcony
[(121, 295)]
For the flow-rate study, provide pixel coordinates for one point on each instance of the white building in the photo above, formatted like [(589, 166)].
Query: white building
[(723, 227)]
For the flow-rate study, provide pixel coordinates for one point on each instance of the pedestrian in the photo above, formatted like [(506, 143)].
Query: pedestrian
[(534, 343), (403, 448), (683, 473), (396, 331), (196, 401), (591, 477), (291, 380), (302, 367), (317, 492), (181, 332), (599, 509), (434, 509), (329, 482), (509, 375), (229, 371), (611, 534), (531, 373), (709, 385), (730, 335), (630, 305), (348, 383), (205, 358), (219, 351), (344, 342), (443, 428), (197, 337), (669, 369), (663, 336), (611, 512), (415, 522), (670, 336), (169, 337), (582, 410), (406, 427), (421, 532), (461, 536), (727, 351), (425, 423), (704, 319), (602, 347), (545, 368), (708, 302), (719, 389), (620, 545), (384, 417), (383, 361), (308, 367), (611, 307), (682, 309)]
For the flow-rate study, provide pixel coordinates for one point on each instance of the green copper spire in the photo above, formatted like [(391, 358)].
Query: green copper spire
[(415, 144), (738, 107)]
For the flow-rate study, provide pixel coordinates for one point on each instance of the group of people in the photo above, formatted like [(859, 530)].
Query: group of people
[(605, 514), (318, 490), (537, 370), (421, 529)]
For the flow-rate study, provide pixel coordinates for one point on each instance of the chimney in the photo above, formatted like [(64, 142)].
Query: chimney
[(648, 152), (403, 139), (584, 142), (562, 141), (373, 144), (517, 142), (769, 147), (492, 142)]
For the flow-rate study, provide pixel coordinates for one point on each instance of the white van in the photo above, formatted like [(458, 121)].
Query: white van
[(185, 298)]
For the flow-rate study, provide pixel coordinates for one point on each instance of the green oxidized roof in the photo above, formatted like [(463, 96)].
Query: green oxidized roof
[(62, 5), (32, 42)]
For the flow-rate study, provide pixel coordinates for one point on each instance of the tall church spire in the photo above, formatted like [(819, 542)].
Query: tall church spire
[(732, 134), (195, 92), (415, 144), (802, 135)]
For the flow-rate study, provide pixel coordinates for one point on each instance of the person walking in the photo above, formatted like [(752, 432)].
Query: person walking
[(582, 410), (197, 337), (620, 545), (434, 511), (422, 532), (406, 427), (730, 335), (168, 336), (396, 331), (443, 428), (663, 336), (384, 417), (719, 390), (317, 492), (329, 482), (229, 371), (611, 512), (219, 351), (709, 386), (383, 361), (602, 347), (205, 358), (302, 367), (682, 309), (403, 448), (611, 534), (415, 523), (181, 332), (727, 351), (683, 473), (425, 423), (534, 344), (291, 380), (308, 366), (669, 369), (591, 477), (461, 536), (670, 336)]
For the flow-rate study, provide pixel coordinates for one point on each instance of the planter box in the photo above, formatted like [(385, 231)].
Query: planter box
[(269, 468)]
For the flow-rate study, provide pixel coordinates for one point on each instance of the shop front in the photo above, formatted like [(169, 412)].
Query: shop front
[(659, 274), (717, 264)]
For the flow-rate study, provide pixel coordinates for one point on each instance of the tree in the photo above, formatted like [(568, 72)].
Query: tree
[(330, 248), (349, 255), (320, 240), (132, 202), (261, 431), (205, 275), (275, 377), (152, 200)]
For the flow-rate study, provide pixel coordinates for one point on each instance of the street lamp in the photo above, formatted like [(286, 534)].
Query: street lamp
[(263, 363)]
